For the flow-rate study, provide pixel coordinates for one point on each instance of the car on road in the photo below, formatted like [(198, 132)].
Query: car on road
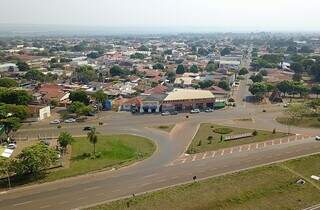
[(87, 128), (173, 113), (209, 110), (165, 113), (55, 121), (195, 111), (70, 120), (318, 138), (12, 146)]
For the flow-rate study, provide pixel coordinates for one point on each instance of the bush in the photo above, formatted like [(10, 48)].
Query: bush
[(210, 137), (231, 100), (223, 130), (274, 131), (255, 133)]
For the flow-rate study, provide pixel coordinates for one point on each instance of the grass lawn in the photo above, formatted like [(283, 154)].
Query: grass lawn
[(166, 128), (306, 122), (268, 187), (206, 130), (115, 151), (2, 149)]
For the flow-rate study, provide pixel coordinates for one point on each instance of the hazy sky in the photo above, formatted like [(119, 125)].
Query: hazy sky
[(228, 14)]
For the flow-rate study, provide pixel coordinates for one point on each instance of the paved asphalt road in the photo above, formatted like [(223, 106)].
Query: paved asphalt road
[(167, 166)]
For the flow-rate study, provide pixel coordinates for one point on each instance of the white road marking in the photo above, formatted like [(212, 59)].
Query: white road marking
[(91, 188), (213, 154), (194, 157), (184, 160), (264, 144), (272, 142), (4, 192), (240, 149), (43, 207), (204, 156), (19, 204), (231, 150), (257, 145)]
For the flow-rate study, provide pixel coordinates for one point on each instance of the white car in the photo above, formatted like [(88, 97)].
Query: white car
[(55, 122), (209, 110), (70, 120), (195, 111), (165, 113), (318, 138), (12, 146)]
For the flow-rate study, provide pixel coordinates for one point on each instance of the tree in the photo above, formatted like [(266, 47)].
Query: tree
[(180, 69), (158, 66), (65, 139), (316, 90), (118, 71), (6, 168), (315, 71), (79, 96), (297, 110), (243, 71), (205, 84), (194, 69), (211, 67), (171, 76), (257, 78), (93, 138), (11, 96), (35, 75), (94, 55), (284, 87), (79, 108), (100, 97), (225, 51), (35, 159), (224, 84), (297, 67), (258, 89), (23, 66), (143, 48), (12, 110), (8, 83), (11, 124), (85, 74)]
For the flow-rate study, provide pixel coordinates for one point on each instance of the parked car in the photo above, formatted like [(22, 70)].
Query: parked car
[(70, 120), (55, 121), (87, 128), (173, 113), (12, 146), (318, 138), (195, 111), (165, 113), (209, 110)]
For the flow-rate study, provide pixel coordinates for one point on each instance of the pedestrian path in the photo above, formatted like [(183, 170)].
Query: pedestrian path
[(185, 158)]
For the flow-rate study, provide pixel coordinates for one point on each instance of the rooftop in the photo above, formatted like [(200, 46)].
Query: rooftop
[(188, 94)]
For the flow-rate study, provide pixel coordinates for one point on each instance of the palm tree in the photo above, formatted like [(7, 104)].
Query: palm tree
[(93, 138)]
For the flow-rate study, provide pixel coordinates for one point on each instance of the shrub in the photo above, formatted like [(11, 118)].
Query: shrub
[(254, 133), (210, 137), (59, 126), (223, 130), (274, 131), (231, 100)]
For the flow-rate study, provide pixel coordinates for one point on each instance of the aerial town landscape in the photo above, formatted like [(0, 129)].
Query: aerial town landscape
[(158, 120)]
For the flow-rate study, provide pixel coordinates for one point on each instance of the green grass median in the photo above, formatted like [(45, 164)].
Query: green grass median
[(269, 187), (209, 136)]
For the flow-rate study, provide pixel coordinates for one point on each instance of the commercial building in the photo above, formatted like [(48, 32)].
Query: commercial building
[(187, 99)]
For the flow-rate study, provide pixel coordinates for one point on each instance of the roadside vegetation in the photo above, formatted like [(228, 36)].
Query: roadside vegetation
[(302, 114), (268, 187), (212, 137), (80, 156)]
